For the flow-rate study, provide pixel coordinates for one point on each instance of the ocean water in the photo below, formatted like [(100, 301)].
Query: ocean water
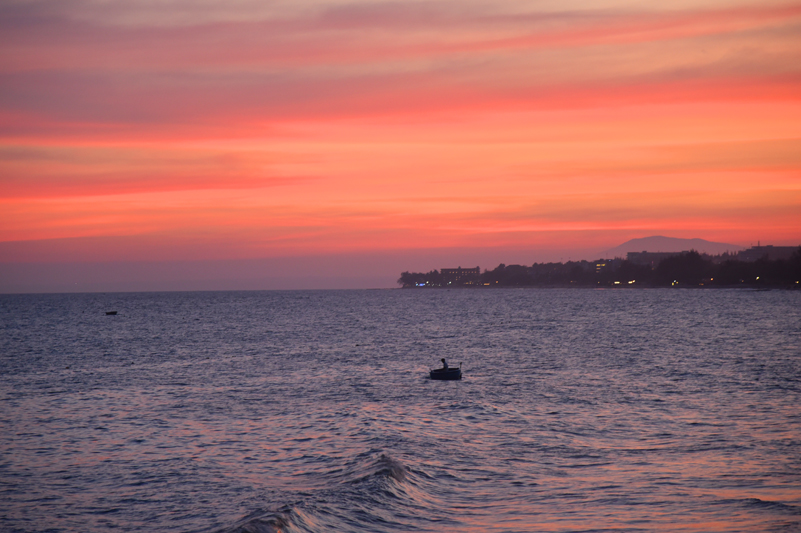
[(312, 411)]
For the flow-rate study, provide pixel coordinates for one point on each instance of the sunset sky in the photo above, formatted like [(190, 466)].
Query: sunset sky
[(150, 144)]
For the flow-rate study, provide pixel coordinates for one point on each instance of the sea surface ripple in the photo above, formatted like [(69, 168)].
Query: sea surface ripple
[(312, 411)]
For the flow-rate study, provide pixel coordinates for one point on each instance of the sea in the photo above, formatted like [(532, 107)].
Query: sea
[(312, 411)]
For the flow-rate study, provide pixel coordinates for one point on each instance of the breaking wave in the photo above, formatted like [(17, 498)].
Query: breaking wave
[(371, 491)]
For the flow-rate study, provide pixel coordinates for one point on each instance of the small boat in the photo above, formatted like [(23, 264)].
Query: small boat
[(449, 374), (111, 312)]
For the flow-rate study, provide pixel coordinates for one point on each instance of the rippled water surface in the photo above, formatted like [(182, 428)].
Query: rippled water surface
[(581, 410)]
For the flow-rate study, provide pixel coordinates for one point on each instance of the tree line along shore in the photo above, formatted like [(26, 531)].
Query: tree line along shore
[(688, 269)]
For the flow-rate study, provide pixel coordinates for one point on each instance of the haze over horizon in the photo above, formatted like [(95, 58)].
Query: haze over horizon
[(347, 271), (333, 144)]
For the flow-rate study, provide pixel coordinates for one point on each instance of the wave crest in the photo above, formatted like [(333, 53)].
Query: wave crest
[(386, 466), (260, 522), (370, 481)]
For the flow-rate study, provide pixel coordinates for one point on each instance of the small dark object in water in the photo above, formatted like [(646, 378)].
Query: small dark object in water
[(449, 374), (111, 312)]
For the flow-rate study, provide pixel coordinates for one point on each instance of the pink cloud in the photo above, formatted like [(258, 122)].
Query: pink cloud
[(392, 126)]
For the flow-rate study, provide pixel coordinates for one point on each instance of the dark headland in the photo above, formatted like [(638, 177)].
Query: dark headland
[(757, 267)]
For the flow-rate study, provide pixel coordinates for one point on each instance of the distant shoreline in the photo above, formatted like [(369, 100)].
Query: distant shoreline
[(682, 270), (794, 286)]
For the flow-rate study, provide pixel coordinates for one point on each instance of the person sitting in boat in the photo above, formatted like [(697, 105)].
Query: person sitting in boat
[(444, 365)]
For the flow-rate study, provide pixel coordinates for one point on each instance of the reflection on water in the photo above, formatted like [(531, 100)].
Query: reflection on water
[(649, 410)]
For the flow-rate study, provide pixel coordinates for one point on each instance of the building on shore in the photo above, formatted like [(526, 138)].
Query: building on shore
[(651, 259), (460, 276), (769, 252)]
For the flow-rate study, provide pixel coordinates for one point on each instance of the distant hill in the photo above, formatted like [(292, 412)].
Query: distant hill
[(658, 243)]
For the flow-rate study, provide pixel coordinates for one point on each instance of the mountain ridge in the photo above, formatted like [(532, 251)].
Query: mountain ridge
[(660, 243)]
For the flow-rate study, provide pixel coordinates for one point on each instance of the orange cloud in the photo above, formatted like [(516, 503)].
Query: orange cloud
[(328, 128)]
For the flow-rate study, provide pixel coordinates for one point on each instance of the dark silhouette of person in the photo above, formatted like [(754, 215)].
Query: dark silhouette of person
[(444, 364)]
